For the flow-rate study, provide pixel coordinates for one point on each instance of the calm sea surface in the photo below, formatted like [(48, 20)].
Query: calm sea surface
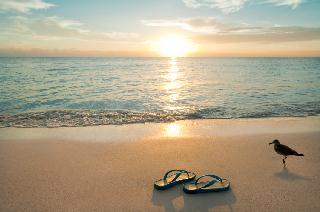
[(54, 92)]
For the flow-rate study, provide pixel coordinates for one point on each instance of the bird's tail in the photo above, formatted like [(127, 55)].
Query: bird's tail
[(299, 154)]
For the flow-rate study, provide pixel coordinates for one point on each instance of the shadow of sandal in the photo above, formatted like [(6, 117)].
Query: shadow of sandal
[(165, 198), (192, 202), (208, 201)]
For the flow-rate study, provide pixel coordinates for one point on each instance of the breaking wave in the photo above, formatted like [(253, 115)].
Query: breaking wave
[(69, 118)]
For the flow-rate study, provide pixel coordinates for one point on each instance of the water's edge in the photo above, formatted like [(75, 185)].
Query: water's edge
[(65, 118)]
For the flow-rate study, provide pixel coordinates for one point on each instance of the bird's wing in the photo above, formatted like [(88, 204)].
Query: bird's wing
[(286, 150)]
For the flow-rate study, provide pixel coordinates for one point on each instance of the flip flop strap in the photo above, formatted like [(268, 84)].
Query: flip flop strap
[(179, 172), (215, 179)]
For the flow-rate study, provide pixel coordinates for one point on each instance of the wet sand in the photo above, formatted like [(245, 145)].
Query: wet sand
[(112, 168)]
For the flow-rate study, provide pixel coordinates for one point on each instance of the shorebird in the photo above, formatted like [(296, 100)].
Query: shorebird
[(284, 150)]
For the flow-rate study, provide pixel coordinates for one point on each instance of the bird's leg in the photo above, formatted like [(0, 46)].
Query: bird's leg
[(284, 160)]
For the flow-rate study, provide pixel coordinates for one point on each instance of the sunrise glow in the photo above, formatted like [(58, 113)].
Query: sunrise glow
[(173, 46)]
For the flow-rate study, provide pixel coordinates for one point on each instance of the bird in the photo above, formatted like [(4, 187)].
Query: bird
[(284, 150)]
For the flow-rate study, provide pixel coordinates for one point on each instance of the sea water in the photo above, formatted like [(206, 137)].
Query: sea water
[(56, 92)]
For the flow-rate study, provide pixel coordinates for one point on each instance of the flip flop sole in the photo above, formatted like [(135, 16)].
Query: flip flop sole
[(204, 190)]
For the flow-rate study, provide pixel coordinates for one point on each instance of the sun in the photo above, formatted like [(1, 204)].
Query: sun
[(173, 46)]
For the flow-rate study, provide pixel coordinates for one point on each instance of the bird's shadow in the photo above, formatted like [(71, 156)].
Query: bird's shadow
[(192, 202), (285, 174)]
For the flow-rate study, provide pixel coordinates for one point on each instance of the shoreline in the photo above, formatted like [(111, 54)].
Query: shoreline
[(112, 168), (89, 118)]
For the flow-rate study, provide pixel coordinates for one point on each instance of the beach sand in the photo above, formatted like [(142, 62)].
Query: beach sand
[(112, 168)]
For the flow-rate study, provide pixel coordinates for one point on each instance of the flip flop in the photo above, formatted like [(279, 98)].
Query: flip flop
[(174, 177), (215, 184)]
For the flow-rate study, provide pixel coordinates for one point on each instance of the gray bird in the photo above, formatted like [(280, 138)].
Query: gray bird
[(284, 150)]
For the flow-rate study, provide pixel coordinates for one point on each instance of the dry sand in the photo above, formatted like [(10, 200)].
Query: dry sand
[(112, 168)]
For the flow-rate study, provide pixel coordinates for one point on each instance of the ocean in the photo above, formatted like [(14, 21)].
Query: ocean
[(70, 92)]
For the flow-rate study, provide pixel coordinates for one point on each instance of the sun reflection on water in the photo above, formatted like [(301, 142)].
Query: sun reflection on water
[(173, 69), (173, 76), (173, 85)]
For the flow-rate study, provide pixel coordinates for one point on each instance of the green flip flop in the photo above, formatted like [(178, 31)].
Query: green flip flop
[(174, 177)]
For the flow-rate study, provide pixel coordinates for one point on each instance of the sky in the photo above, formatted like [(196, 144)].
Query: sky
[(212, 28)]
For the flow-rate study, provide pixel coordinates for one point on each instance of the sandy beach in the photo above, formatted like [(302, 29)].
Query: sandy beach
[(112, 168)]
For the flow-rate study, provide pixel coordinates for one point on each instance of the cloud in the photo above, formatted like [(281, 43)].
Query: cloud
[(292, 3), (229, 6), (47, 27), (210, 29), (57, 28), (226, 6), (205, 25), (23, 6), (266, 35)]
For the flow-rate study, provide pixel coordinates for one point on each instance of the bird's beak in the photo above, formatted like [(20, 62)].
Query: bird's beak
[(271, 143)]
